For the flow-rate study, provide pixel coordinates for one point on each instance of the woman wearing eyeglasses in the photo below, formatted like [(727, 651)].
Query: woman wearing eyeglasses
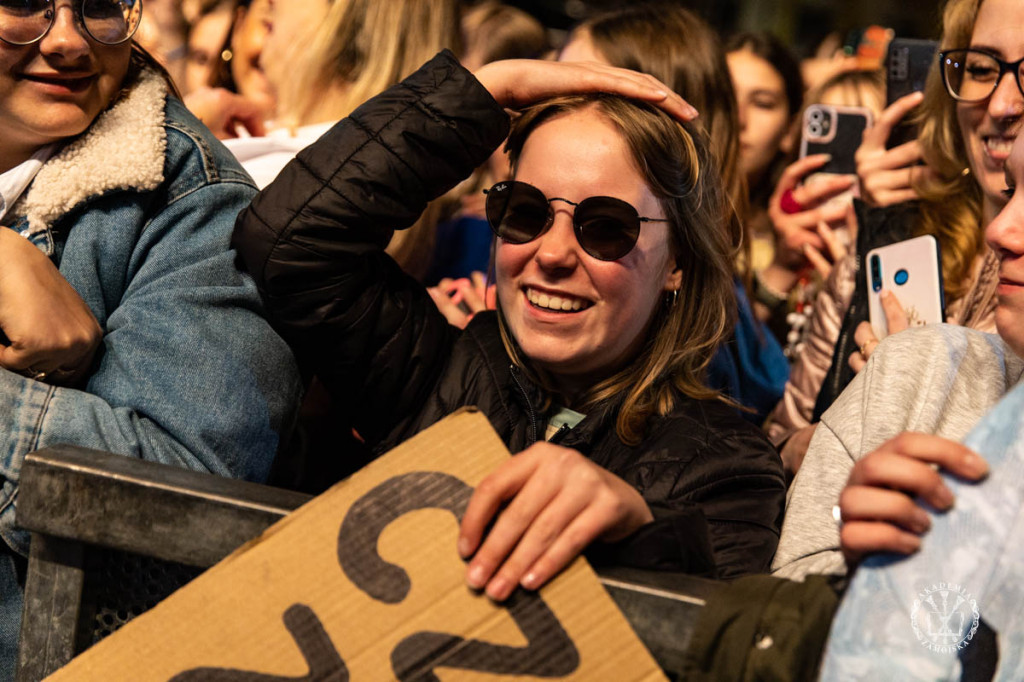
[(125, 324), (613, 287), (967, 119), (971, 114)]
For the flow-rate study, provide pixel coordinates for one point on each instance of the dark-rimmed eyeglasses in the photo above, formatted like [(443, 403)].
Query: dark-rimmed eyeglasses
[(606, 228), (110, 22), (973, 75)]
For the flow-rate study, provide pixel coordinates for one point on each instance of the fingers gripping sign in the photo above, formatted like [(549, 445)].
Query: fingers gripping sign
[(547, 503)]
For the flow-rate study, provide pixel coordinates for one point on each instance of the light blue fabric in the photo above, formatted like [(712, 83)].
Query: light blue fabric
[(905, 618), (189, 373)]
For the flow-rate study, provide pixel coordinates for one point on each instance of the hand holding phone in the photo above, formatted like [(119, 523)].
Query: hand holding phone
[(836, 131), (907, 64), (911, 271), (797, 230), (889, 176)]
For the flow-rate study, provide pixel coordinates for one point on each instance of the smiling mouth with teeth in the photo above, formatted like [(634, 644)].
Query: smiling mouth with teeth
[(564, 304), (1001, 145)]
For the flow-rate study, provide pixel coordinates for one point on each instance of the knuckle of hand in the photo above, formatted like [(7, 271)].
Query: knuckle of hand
[(849, 536), (847, 498), (576, 539), (871, 468), (902, 442), (488, 487)]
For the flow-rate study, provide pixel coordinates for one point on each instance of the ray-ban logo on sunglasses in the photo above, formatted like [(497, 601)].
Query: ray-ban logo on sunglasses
[(500, 187)]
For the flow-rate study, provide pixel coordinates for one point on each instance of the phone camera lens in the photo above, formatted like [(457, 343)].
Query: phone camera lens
[(901, 277), (876, 274)]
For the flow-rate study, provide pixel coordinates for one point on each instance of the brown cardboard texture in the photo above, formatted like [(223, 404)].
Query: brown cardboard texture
[(364, 583)]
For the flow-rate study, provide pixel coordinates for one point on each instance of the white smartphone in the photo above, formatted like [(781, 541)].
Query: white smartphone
[(911, 270)]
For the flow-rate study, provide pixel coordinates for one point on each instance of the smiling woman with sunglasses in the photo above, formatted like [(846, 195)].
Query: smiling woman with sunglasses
[(124, 323), (614, 285)]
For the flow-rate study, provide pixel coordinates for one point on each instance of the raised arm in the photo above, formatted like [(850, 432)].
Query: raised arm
[(314, 238)]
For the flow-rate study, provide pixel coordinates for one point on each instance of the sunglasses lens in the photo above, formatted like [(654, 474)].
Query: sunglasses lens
[(607, 228), (517, 212), (23, 21)]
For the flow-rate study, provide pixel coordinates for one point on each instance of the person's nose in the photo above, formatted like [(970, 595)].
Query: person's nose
[(1005, 234), (1007, 100), (741, 114), (66, 36), (558, 249)]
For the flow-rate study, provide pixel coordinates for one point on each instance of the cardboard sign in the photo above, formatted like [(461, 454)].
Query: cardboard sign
[(364, 583)]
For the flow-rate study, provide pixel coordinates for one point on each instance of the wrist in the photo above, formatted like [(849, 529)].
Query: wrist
[(771, 291)]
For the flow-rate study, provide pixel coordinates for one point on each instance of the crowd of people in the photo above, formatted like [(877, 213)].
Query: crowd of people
[(272, 239)]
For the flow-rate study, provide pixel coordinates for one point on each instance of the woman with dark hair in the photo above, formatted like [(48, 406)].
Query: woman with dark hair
[(770, 94), (124, 323), (613, 269)]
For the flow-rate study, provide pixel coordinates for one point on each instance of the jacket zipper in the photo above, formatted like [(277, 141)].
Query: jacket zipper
[(526, 398), (558, 435)]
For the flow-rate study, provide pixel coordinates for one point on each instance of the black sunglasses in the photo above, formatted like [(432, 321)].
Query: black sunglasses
[(607, 228)]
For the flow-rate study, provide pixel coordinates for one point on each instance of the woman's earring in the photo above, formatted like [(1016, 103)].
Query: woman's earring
[(671, 297)]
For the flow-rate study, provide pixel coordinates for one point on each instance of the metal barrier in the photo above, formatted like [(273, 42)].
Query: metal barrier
[(90, 512)]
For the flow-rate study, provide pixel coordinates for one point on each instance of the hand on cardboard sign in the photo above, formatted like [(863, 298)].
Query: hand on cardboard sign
[(556, 502)]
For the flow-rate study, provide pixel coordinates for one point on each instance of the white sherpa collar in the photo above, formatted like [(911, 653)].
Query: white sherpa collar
[(123, 149)]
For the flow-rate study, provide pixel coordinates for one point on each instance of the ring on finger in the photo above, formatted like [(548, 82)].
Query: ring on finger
[(789, 204), (837, 516), (35, 374), (864, 347)]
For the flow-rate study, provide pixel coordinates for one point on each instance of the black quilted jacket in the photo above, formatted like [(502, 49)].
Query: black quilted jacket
[(314, 239)]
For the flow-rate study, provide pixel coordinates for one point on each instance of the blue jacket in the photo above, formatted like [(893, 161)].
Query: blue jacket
[(138, 214)]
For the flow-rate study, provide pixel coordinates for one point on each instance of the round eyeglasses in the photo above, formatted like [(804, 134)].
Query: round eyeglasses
[(110, 22), (973, 75), (607, 228)]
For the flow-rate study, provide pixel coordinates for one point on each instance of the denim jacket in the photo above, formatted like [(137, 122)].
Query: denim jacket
[(138, 213)]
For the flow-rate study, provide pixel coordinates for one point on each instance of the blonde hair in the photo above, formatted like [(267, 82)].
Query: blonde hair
[(368, 46), (676, 165), (857, 88), (957, 224)]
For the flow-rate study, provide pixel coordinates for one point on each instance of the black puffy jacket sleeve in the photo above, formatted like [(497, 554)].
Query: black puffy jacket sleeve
[(313, 240)]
